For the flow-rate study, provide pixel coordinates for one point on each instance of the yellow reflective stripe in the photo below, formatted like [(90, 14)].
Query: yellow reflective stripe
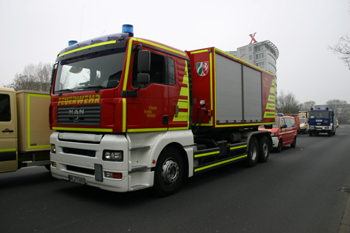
[(270, 115), (177, 128), (87, 47), (272, 90), (183, 103), (83, 129), (161, 46), (216, 164), (293, 131), (206, 154), (237, 147), (182, 116), (28, 120), (124, 116), (233, 125), (270, 106), (147, 130), (128, 60), (271, 98), (8, 150), (211, 88), (200, 51)]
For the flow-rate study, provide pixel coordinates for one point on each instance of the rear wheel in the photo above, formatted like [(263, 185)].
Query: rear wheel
[(253, 152), (169, 172), (264, 149)]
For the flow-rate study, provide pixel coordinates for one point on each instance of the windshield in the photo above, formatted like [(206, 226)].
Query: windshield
[(277, 124), (319, 114), (302, 120), (94, 73)]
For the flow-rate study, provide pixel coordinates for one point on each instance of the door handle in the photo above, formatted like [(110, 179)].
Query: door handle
[(7, 131)]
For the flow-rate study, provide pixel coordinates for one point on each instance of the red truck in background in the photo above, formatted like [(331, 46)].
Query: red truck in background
[(131, 113)]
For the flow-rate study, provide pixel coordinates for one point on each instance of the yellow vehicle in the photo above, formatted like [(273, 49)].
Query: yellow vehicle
[(304, 122), (24, 129)]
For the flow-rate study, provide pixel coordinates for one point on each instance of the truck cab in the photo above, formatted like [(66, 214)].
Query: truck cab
[(25, 132), (322, 121), (8, 127)]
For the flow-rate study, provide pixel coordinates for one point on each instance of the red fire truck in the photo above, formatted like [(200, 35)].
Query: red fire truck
[(131, 113)]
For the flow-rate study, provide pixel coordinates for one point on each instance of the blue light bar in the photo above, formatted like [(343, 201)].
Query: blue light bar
[(280, 114), (128, 28), (72, 42)]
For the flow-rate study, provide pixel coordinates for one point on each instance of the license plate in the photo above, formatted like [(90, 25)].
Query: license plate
[(76, 179)]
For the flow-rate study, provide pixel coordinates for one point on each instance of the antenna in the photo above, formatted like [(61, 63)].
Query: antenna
[(81, 24)]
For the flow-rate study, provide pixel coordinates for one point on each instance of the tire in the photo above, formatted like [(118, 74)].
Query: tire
[(310, 133), (279, 147), (294, 144), (264, 149), (330, 133), (169, 172), (253, 152)]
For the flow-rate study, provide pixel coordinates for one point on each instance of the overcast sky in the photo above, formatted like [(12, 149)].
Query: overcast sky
[(36, 31)]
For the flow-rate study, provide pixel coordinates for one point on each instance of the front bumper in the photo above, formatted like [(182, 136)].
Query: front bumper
[(80, 156), (274, 142)]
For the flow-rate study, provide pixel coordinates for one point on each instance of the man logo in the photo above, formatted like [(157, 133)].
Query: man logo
[(76, 112)]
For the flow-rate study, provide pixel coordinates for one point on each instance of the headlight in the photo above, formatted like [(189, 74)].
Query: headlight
[(113, 155), (53, 149)]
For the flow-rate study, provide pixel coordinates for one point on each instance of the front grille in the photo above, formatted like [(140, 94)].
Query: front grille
[(81, 115), (89, 153), (80, 170)]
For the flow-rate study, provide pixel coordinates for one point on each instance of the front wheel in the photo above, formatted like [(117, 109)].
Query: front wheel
[(279, 146), (169, 172)]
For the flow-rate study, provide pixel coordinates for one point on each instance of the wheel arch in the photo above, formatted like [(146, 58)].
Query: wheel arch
[(183, 154)]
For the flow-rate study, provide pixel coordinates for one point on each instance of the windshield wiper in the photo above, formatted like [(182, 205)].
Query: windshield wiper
[(93, 86), (64, 90)]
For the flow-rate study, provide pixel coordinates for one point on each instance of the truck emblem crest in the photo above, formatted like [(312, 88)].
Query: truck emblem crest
[(202, 68)]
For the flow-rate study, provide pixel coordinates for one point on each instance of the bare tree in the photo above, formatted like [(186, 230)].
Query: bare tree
[(287, 104), (33, 77), (343, 49), (306, 106), (341, 109)]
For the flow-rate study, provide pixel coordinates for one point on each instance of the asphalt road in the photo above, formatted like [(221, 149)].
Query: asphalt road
[(296, 191)]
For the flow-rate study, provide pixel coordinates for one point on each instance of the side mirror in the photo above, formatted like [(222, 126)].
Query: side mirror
[(144, 61), (283, 126), (143, 78)]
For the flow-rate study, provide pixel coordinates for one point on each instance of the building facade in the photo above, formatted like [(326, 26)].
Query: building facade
[(262, 54)]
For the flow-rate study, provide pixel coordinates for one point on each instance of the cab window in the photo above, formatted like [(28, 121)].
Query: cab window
[(283, 122), (290, 122), (162, 70), (5, 114)]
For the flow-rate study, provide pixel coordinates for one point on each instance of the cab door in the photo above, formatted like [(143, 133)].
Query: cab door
[(149, 110), (8, 131)]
